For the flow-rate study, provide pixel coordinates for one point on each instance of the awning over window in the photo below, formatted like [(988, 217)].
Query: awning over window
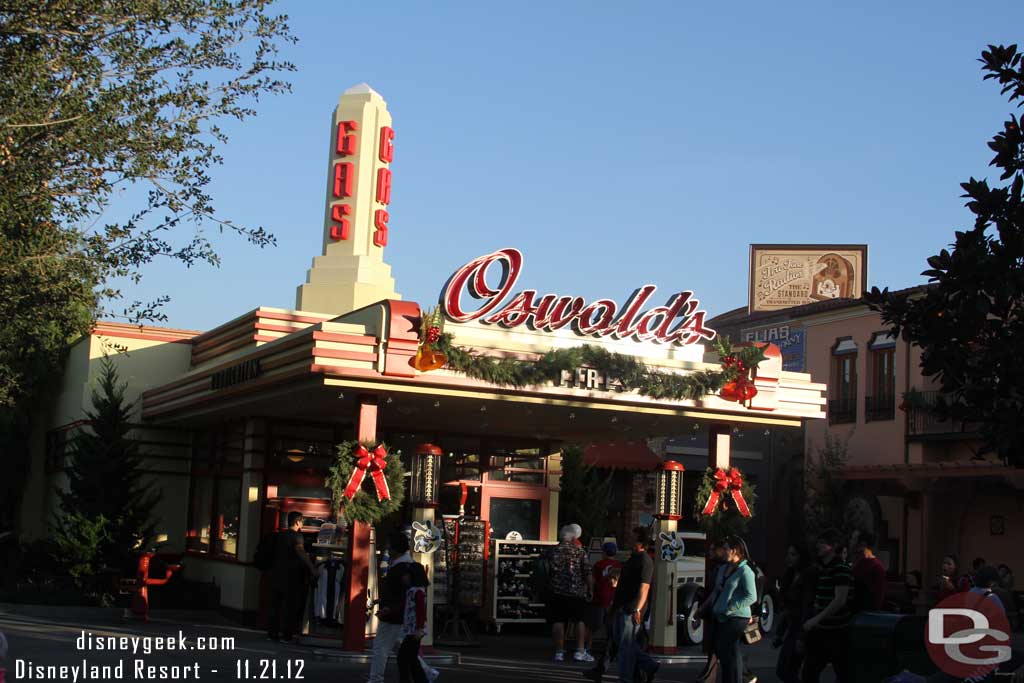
[(621, 455)]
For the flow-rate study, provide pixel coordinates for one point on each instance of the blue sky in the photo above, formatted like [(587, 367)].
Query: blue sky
[(616, 144)]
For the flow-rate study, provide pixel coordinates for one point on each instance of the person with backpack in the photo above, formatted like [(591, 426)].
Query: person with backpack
[(291, 570), (402, 575)]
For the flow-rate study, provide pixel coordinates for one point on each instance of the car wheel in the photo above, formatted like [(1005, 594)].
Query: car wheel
[(687, 633), (767, 613)]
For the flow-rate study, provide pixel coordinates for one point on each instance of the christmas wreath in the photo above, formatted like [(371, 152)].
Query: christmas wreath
[(724, 503), (631, 373), (365, 483)]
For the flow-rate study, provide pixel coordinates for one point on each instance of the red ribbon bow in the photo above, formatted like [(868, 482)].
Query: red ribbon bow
[(374, 463), (731, 481)]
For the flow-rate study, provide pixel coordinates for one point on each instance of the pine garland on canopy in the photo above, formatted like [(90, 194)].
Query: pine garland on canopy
[(632, 373), (365, 505)]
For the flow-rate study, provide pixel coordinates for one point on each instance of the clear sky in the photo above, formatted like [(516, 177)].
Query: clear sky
[(617, 144)]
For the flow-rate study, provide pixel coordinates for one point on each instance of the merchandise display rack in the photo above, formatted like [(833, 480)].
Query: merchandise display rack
[(512, 600)]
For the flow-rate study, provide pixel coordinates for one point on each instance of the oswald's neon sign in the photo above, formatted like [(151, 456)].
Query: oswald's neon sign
[(679, 321)]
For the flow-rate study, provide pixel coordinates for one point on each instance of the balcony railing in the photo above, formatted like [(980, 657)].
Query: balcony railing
[(922, 420), (842, 410), (879, 407)]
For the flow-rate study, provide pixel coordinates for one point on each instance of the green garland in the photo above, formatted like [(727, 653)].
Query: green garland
[(364, 506), (631, 372), (722, 523)]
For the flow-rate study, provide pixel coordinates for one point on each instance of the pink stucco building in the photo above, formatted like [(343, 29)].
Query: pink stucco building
[(918, 483)]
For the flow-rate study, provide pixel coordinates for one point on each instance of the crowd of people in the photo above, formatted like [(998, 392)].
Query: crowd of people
[(818, 597)]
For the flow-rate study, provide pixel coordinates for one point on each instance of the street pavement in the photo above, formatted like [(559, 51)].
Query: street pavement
[(53, 637)]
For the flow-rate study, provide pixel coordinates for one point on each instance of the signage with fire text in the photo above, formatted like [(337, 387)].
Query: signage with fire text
[(587, 378), (344, 170), (680, 321), (782, 276)]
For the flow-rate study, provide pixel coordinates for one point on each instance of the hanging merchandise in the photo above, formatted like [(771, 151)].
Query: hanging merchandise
[(471, 547), (513, 598)]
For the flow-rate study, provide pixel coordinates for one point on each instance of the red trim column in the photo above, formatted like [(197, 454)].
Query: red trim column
[(359, 573)]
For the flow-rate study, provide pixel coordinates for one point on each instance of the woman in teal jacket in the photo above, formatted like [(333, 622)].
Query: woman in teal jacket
[(731, 610)]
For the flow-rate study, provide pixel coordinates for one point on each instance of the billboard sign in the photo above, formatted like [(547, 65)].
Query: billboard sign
[(787, 275)]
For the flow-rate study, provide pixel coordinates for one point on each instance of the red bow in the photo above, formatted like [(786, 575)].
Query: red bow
[(731, 481), (374, 463)]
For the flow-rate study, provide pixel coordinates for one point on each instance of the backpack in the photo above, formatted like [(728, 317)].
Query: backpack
[(540, 575), (265, 549)]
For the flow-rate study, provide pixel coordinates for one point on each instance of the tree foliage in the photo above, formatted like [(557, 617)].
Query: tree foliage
[(584, 495), (969, 323), (825, 493), (103, 100), (105, 474)]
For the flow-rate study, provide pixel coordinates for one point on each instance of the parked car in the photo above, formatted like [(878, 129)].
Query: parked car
[(690, 591)]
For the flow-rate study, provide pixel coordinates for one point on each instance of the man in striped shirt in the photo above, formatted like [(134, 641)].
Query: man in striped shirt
[(825, 632)]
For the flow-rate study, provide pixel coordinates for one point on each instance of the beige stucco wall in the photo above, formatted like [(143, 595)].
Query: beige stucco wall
[(141, 364)]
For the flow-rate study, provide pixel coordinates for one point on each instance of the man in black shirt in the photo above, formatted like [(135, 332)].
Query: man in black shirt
[(631, 601), (289, 575)]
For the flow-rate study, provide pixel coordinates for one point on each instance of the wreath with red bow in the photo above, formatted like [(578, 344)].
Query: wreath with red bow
[(724, 502), (366, 482)]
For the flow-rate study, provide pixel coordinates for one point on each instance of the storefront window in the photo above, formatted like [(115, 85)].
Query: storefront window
[(842, 404), (524, 467), (198, 536), (225, 517), (514, 514)]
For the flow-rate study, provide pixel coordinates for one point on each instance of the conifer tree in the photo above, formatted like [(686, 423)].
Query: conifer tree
[(105, 474)]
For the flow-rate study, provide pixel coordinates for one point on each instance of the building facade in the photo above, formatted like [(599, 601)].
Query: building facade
[(915, 481)]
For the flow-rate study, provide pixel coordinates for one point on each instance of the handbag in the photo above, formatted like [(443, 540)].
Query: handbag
[(752, 632)]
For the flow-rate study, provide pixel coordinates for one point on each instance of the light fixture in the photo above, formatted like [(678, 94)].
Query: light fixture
[(669, 486), (614, 419), (483, 409), (341, 394), (437, 404), (572, 416), (295, 454), (425, 473), (389, 400)]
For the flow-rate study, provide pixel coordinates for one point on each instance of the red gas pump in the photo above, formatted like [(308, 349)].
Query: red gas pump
[(140, 600)]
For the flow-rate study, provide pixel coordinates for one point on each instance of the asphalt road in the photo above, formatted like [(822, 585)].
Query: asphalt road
[(179, 648)]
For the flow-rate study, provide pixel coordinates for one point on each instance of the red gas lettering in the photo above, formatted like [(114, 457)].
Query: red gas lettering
[(347, 142), (384, 186), (343, 177), (340, 227), (386, 152), (380, 221)]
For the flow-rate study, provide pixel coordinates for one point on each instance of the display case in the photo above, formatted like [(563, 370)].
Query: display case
[(512, 598)]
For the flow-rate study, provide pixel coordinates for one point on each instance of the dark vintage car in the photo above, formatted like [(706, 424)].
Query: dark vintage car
[(690, 592)]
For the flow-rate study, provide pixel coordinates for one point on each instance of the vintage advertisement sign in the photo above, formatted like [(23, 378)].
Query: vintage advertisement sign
[(786, 275)]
